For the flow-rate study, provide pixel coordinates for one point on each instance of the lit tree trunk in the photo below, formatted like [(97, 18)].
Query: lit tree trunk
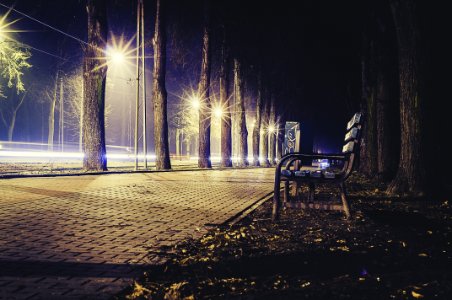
[(52, 114), (264, 132), (159, 95), (203, 91), (94, 75), (12, 123), (178, 143), (226, 135), (411, 174), (239, 104), (257, 124), (280, 137), (272, 133), (80, 133)]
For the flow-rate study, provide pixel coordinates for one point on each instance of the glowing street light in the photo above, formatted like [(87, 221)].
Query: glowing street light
[(218, 112), (271, 128), (116, 56), (195, 102)]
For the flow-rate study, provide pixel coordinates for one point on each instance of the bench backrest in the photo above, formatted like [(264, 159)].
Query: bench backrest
[(352, 141)]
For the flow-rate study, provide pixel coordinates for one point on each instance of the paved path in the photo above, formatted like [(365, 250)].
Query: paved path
[(87, 237)]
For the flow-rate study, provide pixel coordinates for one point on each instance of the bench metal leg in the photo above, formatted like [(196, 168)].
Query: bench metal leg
[(344, 200), (286, 191)]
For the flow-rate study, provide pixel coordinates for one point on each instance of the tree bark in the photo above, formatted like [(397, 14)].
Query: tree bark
[(159, 94), (12, 123), (264, 132), (226, 135), (257, 124), (387, 107), (368, 156), (204, 93), (50, 135), (411, 174), (272, 135), (242, 155), (94, 75)]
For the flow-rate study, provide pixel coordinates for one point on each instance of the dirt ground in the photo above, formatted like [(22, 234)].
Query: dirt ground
[(392, 248)]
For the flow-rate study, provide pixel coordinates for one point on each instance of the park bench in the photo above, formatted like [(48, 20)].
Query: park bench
[(293, 174)]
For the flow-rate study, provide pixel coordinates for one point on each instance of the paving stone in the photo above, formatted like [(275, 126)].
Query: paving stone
[(87, 237)]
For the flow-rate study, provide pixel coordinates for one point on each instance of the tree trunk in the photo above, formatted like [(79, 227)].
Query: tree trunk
[(387, 98), (242, 155), (159, 96), (94, 75), (368, 157), (257, 124), (264, 133), (52, 114), (272, 133), (203, 91), (12, 123), (178, 144), (411, 174), (226, 136), (280, 137)]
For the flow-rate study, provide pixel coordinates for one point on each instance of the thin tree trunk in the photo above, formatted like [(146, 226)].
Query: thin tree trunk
[(50, 135), (257, 124), (280, 137), (242, 155), (264, 132), (178, 143), (272, 134), (203, 91), (12, 123), (159, 96), (226, 134), (80, 133), (411, 174), (94, 75)]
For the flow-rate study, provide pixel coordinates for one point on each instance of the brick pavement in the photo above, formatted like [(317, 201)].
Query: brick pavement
[(87, 237)]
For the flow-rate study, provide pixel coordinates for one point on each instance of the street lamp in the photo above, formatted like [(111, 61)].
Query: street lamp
[(116, 56), (271, 128), (218, 112), (195, 102)]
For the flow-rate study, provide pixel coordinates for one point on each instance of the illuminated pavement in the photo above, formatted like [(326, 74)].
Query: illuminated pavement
[(87, 237)]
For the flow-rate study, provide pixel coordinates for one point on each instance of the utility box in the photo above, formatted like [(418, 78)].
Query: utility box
[(292, 137)]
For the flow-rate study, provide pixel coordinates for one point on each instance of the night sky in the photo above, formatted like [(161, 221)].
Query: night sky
[(312, 51)]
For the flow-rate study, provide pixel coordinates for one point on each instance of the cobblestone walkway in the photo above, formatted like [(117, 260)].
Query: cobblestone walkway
[(87, 237)]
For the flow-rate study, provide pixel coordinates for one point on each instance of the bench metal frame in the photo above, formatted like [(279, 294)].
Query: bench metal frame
[(294, 161)]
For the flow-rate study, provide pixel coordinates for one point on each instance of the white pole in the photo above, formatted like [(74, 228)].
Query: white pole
[(143, 70), (137, 102)]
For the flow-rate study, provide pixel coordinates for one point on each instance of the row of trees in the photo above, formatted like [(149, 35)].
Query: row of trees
[(231, 62)]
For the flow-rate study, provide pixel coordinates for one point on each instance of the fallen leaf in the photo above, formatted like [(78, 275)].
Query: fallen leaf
[(416, 295)]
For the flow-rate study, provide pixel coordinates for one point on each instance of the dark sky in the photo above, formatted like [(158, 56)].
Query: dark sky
[(311, 49)]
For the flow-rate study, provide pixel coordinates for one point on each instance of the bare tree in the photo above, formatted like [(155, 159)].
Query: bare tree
[(258, 122), (203, 91), (8, 116), (94, 75), (159, 96), (51, 118), (226, 135), (264, 131), (239, 108), (411, 174)]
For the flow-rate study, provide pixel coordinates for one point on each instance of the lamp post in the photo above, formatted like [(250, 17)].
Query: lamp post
[(140, 45)]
